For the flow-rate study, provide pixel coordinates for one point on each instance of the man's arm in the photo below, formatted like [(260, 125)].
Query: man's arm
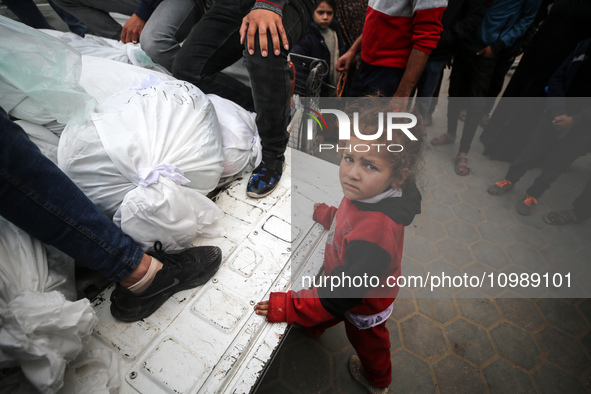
[(348, 58)]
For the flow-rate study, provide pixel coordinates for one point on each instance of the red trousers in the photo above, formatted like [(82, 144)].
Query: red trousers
[(372, 346)]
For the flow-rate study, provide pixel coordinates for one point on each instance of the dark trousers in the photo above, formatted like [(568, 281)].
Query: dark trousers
[(469, 83), (375, 80), (557, 154), (372, 346), (214, 44), (582, 205)]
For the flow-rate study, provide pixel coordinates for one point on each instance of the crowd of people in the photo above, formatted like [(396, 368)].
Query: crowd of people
[(390, 48)]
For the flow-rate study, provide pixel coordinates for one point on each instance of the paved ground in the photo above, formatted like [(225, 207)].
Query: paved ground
[(466, 342)]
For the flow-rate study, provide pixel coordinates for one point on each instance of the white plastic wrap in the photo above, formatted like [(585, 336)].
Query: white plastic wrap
[(107, 48), (168, 133), (40, 330), (241, 141), (42, 137)]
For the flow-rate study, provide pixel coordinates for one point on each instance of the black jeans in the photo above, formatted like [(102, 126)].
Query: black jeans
[(469, 83), (214, 44), (559, 154)]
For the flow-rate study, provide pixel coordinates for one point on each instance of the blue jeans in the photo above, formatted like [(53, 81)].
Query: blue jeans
[(39, 198), (214, 44), (168, 26), (28, 13), (427, 85)]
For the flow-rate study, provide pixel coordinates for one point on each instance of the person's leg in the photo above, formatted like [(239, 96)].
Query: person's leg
[(95, 14), (458, 81), (582, 205), (28, 13), (482, 70), (318, 330), (427, 85), (576, 143), (541, 142), (504, 63), (38, 197), (373, 348), (73, 23), (168, 26), (213, 45)]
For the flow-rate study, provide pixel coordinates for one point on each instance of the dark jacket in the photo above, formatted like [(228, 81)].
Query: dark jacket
[(460, 20), (312, 44), (572, 79)]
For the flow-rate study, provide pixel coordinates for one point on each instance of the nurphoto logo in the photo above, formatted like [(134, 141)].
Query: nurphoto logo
[(393, 122)]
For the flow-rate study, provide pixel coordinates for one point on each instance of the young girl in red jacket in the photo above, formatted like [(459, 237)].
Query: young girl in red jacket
[(364, 244)]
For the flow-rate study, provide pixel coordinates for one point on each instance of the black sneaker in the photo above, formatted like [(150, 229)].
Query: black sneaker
[(265, 178), (181, 271)]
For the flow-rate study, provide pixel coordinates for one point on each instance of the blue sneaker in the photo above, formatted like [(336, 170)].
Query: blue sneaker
[(265, 178)]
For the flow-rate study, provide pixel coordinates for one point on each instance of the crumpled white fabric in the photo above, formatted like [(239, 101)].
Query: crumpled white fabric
[(171, 123), (95, 371), (42, 332)]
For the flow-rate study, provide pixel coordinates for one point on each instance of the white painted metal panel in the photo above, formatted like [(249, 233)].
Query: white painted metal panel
[(208, 339)]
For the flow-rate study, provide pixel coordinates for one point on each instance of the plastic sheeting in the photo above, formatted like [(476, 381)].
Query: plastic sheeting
[(44, 69), (40, 330), (136, 132)]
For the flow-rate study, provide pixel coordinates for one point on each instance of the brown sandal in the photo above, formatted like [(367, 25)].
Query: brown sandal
[(462, 168), (443, 139), (560, 217)]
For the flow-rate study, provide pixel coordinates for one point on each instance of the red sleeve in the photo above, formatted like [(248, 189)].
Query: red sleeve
[(304, 309), (324, 215), (427, 29)]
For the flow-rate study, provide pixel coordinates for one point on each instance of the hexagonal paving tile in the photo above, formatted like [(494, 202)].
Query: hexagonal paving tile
[(468, 213), (585, 308), (410, 374), (476, 198), (419, 249), (428, 228), (456, 376), (479, 276), (440, 309), (499, 216), (479, 310), (561, 260), (451, 179), (309, 361), (563, 314), (437, 211), (334, 339), (462, 231), (343, 378), (441, 267), (562, 236), (503, 378), (495, 233), (394, 334), (552, 380), (563, 350), (423, 337), (516, 345), (445, 195), (526, 236), (454, 252), (526, 258), (403, 307), (469, 341), (490, 254), (520, 311)]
